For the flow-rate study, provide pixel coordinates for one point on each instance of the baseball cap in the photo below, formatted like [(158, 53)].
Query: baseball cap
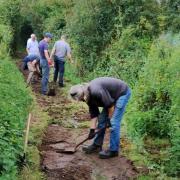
[(47, 34)]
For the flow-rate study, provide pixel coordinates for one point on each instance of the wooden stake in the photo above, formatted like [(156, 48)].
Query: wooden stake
[(27, 133)]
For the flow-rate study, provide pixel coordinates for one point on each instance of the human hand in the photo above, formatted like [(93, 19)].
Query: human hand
[(50, 63), (34, 62), (108, 125), (91, 134)]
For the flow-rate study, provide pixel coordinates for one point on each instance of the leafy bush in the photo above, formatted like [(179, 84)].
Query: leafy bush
[(154, 110), (14, 106), (14, 103), (124, 57)]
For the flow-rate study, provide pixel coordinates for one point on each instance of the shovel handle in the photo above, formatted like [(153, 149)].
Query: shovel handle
[(98, 131), (27, 132)]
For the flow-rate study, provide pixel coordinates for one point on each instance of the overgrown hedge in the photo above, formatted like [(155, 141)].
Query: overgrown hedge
[(154, 110), (14, 104), (14, 107)]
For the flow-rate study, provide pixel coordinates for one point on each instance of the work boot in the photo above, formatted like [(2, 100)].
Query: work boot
[(92, 148), (108, 154), (61, 85)]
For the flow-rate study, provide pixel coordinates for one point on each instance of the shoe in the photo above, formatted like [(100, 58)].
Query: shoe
[(44, 93), (61, 85), (92, 149), (108, 154)]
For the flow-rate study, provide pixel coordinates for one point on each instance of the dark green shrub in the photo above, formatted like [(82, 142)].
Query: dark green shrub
[(154, 110), (14, 106), (124, 57)]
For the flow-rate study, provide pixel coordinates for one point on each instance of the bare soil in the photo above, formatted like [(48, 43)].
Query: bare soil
[(59, 135)]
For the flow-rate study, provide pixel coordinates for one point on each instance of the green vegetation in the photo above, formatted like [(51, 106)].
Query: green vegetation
[(154, 111), (14, 103), (134, 40), (39, 122), (14, 106), (15, 100)]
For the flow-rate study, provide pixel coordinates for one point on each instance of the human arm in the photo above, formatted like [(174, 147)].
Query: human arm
[(69, 56), (34, 62), (110, 112), (46, 53), (93, 125), (94, 112), (53, 52), (28, 46), (27, 50)]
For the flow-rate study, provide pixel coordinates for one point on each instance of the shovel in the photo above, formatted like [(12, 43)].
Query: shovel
[(23, 158), (72, 150), (52, 89)]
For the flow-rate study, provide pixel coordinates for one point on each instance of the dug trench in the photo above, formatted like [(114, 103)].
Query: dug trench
[(68, 126)]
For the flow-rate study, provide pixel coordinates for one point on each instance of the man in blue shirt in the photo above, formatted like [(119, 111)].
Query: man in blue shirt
[(60, 51), (45, 61)]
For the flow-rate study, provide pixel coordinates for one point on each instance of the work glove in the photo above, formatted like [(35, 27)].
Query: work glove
[(91, 134), (108, 125)]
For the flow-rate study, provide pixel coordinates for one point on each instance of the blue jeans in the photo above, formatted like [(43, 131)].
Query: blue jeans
[(59, 69), (115, 122), (45, 75)]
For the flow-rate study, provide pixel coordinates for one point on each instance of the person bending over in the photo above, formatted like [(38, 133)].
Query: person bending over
[(32, 63), (112, 94)]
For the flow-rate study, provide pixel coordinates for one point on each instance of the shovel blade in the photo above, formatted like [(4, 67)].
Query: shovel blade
[(68, 150)]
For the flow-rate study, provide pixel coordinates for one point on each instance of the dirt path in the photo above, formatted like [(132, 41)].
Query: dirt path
[(67, 127)]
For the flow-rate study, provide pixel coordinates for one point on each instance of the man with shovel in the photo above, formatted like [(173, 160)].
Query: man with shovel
[(112, 94)]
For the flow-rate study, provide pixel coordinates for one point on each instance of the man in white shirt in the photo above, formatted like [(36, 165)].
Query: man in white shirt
[(32, 46)]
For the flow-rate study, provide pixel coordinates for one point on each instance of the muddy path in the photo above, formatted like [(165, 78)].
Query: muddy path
[(68, 126)]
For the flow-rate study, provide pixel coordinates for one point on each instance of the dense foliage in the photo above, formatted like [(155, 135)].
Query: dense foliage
[(128, 39), (154, 110), (14, 102)]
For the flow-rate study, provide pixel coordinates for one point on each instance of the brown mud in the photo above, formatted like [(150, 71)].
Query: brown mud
[(64, 131)]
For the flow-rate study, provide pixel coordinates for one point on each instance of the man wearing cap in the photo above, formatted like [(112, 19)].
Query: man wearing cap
[(112, 94), (45, 61), (60, 51), (32, 46)]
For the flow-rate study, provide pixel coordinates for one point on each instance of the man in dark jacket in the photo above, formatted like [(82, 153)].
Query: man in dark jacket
[(112, 94)]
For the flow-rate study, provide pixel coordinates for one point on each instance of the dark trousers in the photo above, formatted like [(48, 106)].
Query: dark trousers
[(59, 69)]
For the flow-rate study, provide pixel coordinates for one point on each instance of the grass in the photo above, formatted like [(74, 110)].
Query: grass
[(147, 159), (39, 122)]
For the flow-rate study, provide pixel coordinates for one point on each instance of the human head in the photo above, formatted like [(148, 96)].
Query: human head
[(48, 36), (33, 37), (79, 92), (63, 37)]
